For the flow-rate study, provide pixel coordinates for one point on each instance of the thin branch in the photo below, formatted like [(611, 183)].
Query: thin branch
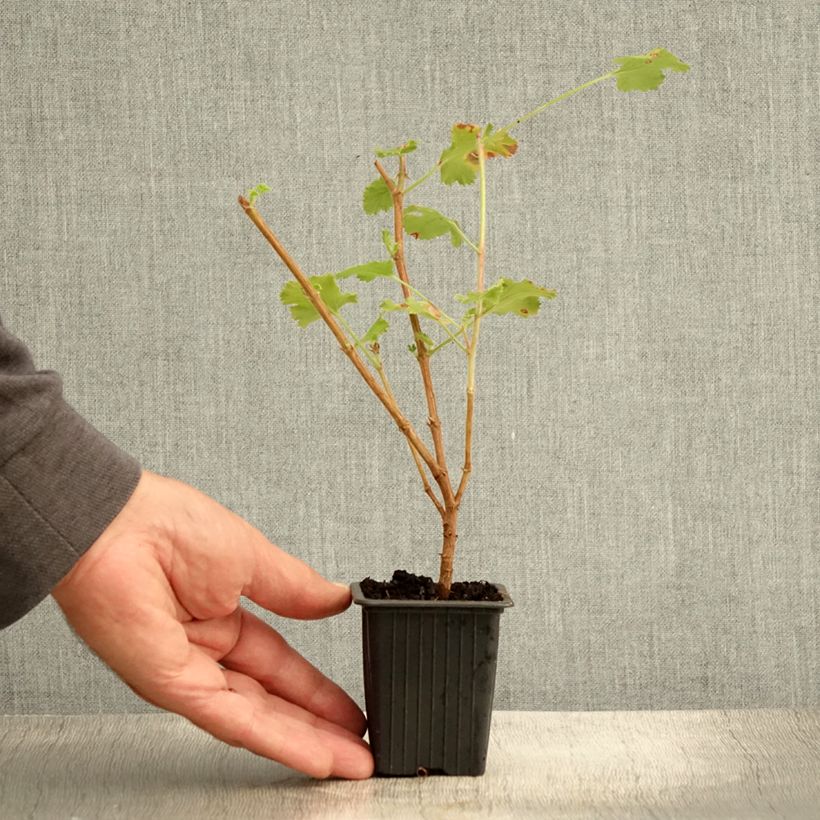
[(473, 345), (349, 349), (422, 355), (419, 463)]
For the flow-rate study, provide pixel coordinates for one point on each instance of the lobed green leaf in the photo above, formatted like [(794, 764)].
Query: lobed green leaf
[(389, 243), (377, 197), (415, 306), (644, 72), (368, 271), (378, 327), (254, 192), (507, 296), (427, 223), (499, 143), (302, 309), (408, 146), (426, 339), (459, 161)]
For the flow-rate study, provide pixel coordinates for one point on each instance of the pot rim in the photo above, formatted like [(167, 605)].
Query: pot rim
[(362, 600)]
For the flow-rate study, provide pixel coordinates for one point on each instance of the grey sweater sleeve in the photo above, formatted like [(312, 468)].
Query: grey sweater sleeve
[(61, 481)]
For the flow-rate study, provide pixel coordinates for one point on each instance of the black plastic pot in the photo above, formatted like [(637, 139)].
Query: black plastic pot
[(429, 678)]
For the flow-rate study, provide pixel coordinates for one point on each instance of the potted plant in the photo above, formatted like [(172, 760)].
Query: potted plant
[(430, 648)]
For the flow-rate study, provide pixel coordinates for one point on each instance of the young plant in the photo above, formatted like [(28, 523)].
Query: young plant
[(463, 161)]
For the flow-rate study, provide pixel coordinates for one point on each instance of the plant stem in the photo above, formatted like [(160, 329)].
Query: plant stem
[(421, 179), (371, 357), (450, 521), (347, 346), (433, 420), (419, 464), (466, 239), (442, 325), (473, 345), (557, 99), (518, 121)]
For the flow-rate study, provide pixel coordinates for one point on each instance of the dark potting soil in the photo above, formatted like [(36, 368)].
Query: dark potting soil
[(405, 586)]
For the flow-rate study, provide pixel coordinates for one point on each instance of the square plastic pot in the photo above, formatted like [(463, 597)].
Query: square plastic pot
[(429, 679)]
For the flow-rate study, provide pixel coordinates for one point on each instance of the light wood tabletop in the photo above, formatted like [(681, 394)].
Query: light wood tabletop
[(713, 764)]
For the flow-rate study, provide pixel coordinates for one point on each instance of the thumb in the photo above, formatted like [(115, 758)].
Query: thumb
[(287, 586)]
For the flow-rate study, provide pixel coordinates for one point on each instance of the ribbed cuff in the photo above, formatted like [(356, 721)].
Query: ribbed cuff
[(57, 495)]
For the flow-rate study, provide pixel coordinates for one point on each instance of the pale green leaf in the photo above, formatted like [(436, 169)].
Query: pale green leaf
[(376, 329), (368, 271), (389, 242), (427, 223), (302, 309), (408, 146), (644, 72), (254, 192), (415, 306), (507, 296), (498, 143), (428, 342), (459, 162), (377, 197)]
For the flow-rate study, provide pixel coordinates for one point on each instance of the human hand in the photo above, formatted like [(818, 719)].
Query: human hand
[(157, 598)]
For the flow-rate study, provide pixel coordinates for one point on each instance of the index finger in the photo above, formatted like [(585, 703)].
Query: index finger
[(283, 584)]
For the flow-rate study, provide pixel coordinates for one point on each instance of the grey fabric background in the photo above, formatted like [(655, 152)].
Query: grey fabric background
[(646, 461)]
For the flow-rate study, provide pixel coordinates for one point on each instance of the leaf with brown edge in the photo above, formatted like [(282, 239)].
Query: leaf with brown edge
[(459, 162), (644, 72), (499, 143)]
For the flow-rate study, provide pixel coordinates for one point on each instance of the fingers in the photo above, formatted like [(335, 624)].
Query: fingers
[(263, 654), (351, 754), (219, 556), (287, 586), (265, 726)]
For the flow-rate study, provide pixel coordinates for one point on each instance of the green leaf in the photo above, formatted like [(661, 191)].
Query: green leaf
[(377, 197), (389, 242), (408, 146), (376, 329), (302, 309), (427, 223), (256, 191), (428, 342), (415, 306), (368, 271), (507, 296), (644, 72), (498, 144), (459, 162)]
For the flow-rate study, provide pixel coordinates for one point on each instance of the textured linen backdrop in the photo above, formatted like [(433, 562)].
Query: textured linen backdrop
[(646, 458)]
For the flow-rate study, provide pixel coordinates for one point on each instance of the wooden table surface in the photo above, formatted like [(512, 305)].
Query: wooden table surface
[(739, 764)]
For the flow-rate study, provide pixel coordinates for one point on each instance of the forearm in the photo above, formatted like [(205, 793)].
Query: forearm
[(61, 481)]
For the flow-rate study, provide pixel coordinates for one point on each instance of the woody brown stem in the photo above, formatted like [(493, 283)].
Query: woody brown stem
[(347, 346), (419, 463), (422, 355), (448, 550)]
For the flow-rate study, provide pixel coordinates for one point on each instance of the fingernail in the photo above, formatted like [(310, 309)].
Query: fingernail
[(342, 585)]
